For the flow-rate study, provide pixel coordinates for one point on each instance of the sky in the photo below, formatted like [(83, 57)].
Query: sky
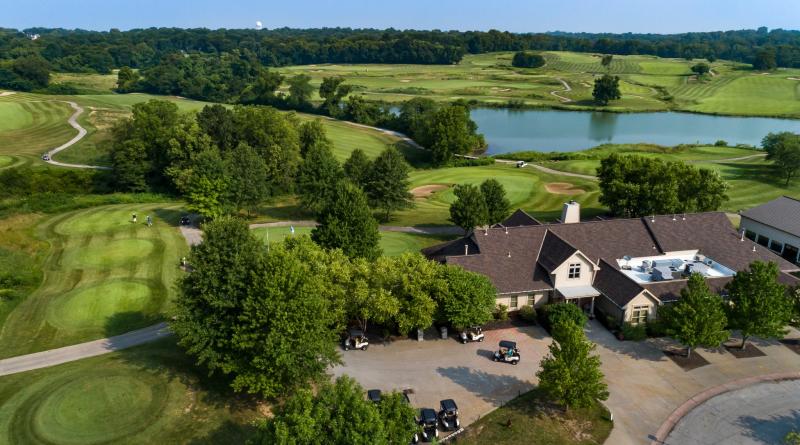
[(654, 16)]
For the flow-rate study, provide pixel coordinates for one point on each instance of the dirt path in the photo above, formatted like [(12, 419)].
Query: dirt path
[(73, 122), (549, 170), (740, 158), (566, 89)]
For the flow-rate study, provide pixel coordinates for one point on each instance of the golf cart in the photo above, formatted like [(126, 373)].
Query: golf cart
[(449, 415), (474, 333), (46, 157), (508, 352), (521, 164), (429, 423), (356, 340), (185, 220), (374, 395)]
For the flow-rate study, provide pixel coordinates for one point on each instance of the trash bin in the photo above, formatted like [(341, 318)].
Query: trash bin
[(443, 330), (420, 335)]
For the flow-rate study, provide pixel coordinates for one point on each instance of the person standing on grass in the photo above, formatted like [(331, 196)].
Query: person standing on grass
[(133, 218), (149, 221)]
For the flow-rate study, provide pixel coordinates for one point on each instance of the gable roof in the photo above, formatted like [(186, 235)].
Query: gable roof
[(781, 213), (554, 251), (615, 285), (519, 218)]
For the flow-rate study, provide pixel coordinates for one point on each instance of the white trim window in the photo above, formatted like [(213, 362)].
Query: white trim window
[(639, 314), (574, 270), (514, 303)]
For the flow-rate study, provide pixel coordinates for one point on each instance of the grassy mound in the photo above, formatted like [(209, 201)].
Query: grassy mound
[(145, 395)]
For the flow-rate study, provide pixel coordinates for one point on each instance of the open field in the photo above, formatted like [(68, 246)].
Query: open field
[(648, 83), (145, 395), (539, 422), (392, 243), (103, 276)]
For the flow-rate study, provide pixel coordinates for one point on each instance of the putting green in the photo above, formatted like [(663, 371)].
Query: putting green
[(110, 219), (104, 406), (113, 253), (93, 306)]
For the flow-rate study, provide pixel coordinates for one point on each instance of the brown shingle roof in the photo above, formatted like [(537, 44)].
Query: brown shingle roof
[(610, 239), (616, 285), (554, 251), (782, 213), (519, 218)]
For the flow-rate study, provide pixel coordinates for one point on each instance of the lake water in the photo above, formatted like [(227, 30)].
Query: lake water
[(550, 130)]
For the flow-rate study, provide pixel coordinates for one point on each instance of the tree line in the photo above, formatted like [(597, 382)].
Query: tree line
[(95, 51)]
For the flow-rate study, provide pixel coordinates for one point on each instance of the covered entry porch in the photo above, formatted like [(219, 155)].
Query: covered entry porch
[(583, 296)]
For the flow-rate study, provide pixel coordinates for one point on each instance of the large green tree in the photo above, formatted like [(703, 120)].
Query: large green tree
[(357, 166), (346, 222), (697, 318), (783, 149), (764, 59), (217, 121), (300, 90), (414, 280), (246, 173), (700, 68), (262, 318), (497, 205), (339, 415), (127, 80), (467, 299), (386, 183), (571, 374), (525, 59), (758, 303), (449, 131), (332, 90), (312, 133), (469, 209), (317, 177), (606, 89)]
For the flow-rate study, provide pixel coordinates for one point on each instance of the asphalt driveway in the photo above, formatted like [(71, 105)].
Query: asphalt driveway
[(446, 369)]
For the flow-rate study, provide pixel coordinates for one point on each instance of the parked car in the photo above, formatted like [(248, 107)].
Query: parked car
[(448, 415), (356, 340), (474, 333), (508, 353)]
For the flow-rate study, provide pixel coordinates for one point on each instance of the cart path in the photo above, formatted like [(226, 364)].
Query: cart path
[(566, 89), (73, 122), (80, 351)]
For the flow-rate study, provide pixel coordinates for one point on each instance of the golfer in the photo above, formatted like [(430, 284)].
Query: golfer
[(133, 218)]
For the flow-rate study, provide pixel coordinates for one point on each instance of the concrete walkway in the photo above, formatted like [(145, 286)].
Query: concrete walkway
[(73, 122), (66, 354)]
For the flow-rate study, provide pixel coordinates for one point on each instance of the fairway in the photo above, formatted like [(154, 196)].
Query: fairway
[(104, 276), (391, 243), (30, 125), (145, 395)]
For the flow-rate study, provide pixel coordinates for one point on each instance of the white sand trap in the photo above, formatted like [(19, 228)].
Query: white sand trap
[(793, 78), (7, 93), (426, 191), (563, 188), (405, 80)]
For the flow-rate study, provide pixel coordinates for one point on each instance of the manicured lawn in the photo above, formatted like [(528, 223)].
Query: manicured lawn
[(29, 126), (150, 394), (531, 420), (392, 243), (103, 276)]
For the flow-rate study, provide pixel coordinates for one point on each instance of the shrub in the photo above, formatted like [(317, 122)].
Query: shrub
[(634, 332), (470, 162), (554, 314), (524, 59), (655, 328), (500, 312), (528, 313), (721, 143)]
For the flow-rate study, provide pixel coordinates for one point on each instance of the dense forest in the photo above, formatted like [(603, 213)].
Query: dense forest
[(93, 51)]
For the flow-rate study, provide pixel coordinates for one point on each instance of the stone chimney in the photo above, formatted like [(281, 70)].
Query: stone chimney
[(571, 213)]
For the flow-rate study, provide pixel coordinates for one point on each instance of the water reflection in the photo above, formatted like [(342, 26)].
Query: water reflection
[(601, 126)]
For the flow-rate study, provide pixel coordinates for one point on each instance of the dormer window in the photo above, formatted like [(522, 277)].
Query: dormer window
[(575, 270)]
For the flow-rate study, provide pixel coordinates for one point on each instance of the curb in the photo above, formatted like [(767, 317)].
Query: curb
[(666, 428)]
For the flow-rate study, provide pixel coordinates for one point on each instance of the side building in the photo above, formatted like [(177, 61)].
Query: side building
[(775, 225), (626, 268)]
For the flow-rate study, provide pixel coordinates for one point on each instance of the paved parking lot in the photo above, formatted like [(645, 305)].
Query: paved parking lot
[(442, 369)]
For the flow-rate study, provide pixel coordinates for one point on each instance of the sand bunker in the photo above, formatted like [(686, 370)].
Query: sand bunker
[(7, 93), (405, 80), (563, 188), (425, 191), (793, 78)]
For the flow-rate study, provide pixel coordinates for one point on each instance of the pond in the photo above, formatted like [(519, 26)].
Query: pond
[(551, 130)]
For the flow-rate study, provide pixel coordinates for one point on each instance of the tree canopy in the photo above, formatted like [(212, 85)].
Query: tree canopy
[(497, 205), (759, 304), (386, 182), (783, 149), (697, 318), (525, 59), (346, 222), (469, 209), (606, 89)]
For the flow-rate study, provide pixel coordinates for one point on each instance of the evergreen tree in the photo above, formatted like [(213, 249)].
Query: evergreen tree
[(356, 167), (317, 177), (386, 182), (698, 318), (759, 304), (469, 209), (497, 206), (346, 222), (571, 375)]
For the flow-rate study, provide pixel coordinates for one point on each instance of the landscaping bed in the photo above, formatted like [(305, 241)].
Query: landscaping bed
[(678, 356)]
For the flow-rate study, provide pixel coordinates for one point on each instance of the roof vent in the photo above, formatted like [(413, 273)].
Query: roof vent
[(509, 254), (754, 247)]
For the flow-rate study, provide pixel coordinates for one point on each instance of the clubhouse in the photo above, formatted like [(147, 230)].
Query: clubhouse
[(626, 268)]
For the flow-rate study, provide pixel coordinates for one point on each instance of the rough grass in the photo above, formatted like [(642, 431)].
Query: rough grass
[(103, 276), (145, 395), (530, 419)]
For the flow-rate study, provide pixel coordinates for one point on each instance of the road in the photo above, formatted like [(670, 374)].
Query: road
[(73, 122)]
